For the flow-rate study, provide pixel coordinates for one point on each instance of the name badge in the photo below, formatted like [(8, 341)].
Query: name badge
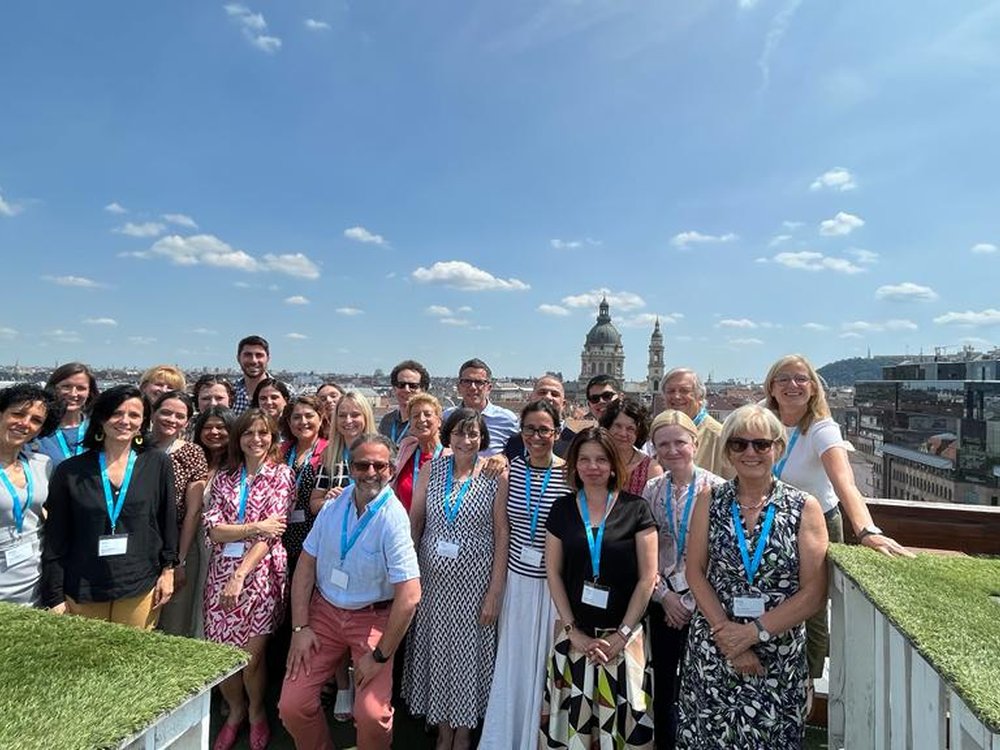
[(338, 578), (595, 595), (748, 606), (531, 556), (447, 549), (112, 545), (233, 549), (298, 516), (679, 582), (17, 555)]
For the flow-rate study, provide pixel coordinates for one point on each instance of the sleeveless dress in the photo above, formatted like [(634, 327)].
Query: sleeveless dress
[(719, 707), (449, 656), (637, 479)]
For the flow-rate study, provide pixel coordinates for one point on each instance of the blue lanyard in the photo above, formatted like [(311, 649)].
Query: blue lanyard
[(527, 493), (29, 487), (416, 462), (371, 510), (115, 508), (780, 466), (594, 543), (668, 506), (241, 514), (346, 460), (750, 567), (78, 448), (305, 460), (700, 416), (406, 429), (451, 508)]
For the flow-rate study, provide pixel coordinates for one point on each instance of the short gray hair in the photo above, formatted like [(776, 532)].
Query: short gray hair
[(370, 438), (753, 417), (699, 387)]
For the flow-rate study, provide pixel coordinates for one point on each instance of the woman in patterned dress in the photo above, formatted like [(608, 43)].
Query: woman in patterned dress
[(245, 591), (756, 567), (600, 563), (459, 523), (628, 423), (172, 410), (305, 420)]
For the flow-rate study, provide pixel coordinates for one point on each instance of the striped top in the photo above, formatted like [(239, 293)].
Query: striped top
[(520, 518)]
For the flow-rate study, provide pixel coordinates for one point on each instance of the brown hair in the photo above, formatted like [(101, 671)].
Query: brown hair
[(244, 422), (603, 438)]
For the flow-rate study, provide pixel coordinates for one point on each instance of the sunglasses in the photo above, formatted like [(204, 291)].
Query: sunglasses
[(603, 396), (760, 445), (362, 467), (408, 386)]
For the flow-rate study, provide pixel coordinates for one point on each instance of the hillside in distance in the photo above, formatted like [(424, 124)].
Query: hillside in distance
[(848, 371)]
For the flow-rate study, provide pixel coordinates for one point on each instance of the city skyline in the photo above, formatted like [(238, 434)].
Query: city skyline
[(364, 184)]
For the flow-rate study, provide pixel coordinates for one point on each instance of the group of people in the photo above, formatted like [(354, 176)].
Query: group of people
[(629, 583)]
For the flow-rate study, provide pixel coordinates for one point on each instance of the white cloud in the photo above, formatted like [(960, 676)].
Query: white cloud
[(455, 321), (557, 310), (360, 234), (115, 208), (779, 239), (461, 275), (693, 237), (81, 282), (648, 320), (465, 309), (181, 220), (204, 331), (747, 4), (623, 301), (736, 323), (349, 311), (864, 326), (792, 225), (815, 327), (746, 342), (146, 229), (988, 317), (837, 178), (296, 336), (809, 260), (9, 209), (977, 341), (565, 244), (905, 292), (100, 322), (63, 336), (7, 333), (314, 25), (209, 250), (438, 310), (253, 27), (142, 340), (850, 335), (775, 33), (867, 257), (984, 248), (296, 299), (841, 224)]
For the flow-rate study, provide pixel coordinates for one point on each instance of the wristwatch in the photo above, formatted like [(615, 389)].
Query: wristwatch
[(868, 531), (297, 628), (624, 631), (762, 633), (378, 656)]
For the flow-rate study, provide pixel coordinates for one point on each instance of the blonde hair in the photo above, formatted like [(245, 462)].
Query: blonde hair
[(754, 418), (334, 451), (816, 408), (423, 399), (169, 374), (672, 418)]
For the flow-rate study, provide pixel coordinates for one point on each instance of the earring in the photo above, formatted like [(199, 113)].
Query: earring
[(99, 437), (138, 440)]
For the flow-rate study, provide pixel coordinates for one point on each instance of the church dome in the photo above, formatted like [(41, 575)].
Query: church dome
[(604, 332)]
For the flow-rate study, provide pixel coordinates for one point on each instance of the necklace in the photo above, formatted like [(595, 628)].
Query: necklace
[(755, 506)]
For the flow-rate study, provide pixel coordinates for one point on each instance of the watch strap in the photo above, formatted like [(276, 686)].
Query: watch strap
[(378, 656)]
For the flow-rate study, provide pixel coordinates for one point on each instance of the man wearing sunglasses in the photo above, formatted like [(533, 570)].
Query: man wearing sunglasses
[(474, 385), (549, 388), (601, 391), (683, 390), (356, 587), (408, 378)]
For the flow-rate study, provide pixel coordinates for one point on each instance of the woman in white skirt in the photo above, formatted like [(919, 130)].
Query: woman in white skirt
[(528, 616)]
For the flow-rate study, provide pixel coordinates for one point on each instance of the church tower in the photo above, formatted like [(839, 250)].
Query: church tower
[(654, 370), (603, 353)]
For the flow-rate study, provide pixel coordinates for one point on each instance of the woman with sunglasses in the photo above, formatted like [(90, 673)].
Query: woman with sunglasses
[(76, 388), (536, 481), (756, 566)]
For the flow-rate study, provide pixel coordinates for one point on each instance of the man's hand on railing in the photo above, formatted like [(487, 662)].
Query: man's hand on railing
[(886, 545)]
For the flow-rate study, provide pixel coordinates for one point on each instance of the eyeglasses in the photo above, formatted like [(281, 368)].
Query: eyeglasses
[(408, 386), (362, 467), (605, 396), (797, 379), (738, 444), (542, 432), (473, 382)]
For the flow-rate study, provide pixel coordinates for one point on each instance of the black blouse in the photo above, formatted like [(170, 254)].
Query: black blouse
[(619, 561), (78, 516)]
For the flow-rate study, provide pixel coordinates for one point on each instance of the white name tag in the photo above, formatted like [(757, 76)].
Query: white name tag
[(298, 516), (233, 549), (679, 582), (748, 606), (112, 546), (595, 595), (17, 555), (339, 578), (447, 549), (531, 556)]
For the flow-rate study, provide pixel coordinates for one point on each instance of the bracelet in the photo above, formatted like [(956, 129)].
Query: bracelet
[(567, 627), (297, 628)]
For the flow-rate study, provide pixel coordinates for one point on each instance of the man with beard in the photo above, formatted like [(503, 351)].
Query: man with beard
[(253, 354)]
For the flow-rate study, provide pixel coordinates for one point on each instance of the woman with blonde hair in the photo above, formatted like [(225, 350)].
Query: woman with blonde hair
[(352, 418), (159, 379), (421, 445)]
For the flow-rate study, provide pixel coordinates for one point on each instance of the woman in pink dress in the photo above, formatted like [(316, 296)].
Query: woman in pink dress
[(247, 572)]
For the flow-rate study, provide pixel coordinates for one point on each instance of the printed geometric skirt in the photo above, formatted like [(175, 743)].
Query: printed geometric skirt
[(598, 706)]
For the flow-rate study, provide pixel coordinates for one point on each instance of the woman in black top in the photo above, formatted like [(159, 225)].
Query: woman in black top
[(600, 561), (111, 533)]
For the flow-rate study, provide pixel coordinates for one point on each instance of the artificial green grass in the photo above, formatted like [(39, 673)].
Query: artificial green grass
[(944, 606), (68, 683)]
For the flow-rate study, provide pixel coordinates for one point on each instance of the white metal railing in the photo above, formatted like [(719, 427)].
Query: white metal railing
[(883, 693)]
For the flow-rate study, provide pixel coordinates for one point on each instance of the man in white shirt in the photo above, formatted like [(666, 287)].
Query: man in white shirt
[(356, 587), (474, 385)]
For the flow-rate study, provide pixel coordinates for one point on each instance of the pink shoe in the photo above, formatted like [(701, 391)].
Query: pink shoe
[(260, 735), (227, 736)]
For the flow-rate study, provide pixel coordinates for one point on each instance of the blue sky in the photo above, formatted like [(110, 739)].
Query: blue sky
[(366, 181)]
